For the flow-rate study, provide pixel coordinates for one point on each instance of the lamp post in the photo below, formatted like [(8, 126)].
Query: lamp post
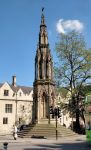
[(56, 129), (48, 105), (56, 115)]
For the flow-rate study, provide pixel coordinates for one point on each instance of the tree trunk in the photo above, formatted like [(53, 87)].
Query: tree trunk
[(77, 121)]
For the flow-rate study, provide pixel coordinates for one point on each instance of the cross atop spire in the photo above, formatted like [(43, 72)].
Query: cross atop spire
[(42, 17), (42, 9)]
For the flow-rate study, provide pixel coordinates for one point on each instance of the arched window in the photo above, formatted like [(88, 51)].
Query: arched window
[(40, 70), (43, 97)]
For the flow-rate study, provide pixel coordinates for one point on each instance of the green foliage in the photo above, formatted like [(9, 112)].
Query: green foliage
[(62, 91), (73, 69), (87, 89), (74, 62)]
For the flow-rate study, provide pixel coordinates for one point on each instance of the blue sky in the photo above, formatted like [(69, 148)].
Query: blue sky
[(19, 29)]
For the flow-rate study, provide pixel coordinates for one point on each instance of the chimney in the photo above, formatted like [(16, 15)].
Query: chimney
[(14, 80)]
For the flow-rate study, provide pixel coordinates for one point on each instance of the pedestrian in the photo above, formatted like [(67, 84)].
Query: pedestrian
[(15, 132)]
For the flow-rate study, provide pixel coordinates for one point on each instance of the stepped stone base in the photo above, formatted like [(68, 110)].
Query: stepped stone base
[(46, 130), (43, 121), (47, 121)]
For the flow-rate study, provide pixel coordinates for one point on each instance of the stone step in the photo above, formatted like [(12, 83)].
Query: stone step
[(46, 130)]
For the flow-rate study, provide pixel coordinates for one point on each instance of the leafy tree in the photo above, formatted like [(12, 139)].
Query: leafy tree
[(73, 68), (87, 89)]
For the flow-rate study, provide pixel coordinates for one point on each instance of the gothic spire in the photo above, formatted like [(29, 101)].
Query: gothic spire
[(43, 91), (43, 38)]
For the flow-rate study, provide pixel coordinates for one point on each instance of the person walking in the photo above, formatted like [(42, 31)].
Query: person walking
[(15, 132)]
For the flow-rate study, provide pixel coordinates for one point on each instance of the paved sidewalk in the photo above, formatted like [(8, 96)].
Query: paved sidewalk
[(64, 143), (9, 139)]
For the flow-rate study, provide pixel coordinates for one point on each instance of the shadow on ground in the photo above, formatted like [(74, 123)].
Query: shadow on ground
[(62, 146)]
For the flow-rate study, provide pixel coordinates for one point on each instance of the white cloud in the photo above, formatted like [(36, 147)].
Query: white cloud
[(68, 25)]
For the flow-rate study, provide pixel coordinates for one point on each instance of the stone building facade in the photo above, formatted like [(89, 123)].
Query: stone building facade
[(15, 105), (44, 86)]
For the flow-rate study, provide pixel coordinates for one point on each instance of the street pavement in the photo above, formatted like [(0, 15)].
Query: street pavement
[(64, 143)]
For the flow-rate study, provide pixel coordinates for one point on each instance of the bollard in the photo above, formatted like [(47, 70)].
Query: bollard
[(5, 145)]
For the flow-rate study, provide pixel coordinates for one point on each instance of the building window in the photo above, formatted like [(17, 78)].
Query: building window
[(20, 93), (5, 120), (6, 92), (8, 108), (23, 107), (20, 120)]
